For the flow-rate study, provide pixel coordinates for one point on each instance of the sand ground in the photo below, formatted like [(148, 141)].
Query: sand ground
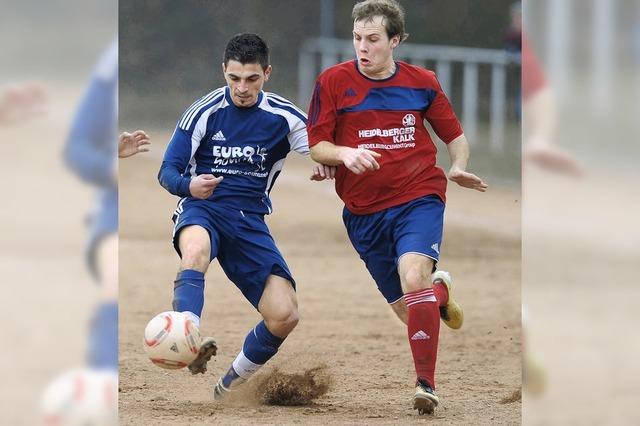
[(345, 323)]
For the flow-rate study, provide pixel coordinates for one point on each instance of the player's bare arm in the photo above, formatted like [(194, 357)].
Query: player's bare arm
[(357, 160), (130, 144), (540, 119), (459, 155), (202, 186), (19, 102)]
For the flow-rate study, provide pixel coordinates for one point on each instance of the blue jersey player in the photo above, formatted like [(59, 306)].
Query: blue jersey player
[(90, 152), (223, 160)]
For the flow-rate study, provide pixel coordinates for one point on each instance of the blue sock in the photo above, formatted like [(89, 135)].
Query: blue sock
[(260, 345), (188, 292), (103, 337)]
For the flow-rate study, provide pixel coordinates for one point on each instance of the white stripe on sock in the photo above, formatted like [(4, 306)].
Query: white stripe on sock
[(244, 367)]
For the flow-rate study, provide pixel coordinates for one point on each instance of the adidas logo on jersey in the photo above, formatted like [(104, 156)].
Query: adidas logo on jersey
[(219, 136), (420, 335), (435, 248)]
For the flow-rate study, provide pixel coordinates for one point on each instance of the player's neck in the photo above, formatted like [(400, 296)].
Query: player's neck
[(387, 71)]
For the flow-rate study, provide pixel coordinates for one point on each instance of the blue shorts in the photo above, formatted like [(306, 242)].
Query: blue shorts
[(381, 238), (102, 222), (240, 241)]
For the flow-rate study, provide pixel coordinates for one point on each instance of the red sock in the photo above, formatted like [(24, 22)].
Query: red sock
[(441, 292), (423, 331)]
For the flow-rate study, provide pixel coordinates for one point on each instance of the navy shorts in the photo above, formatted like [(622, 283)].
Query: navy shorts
[(240, 241), (381, 238), (102, 222)]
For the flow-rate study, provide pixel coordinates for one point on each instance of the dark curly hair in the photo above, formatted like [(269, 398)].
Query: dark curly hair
[(247, 48)]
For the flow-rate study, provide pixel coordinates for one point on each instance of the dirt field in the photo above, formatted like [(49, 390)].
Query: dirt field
[(573, 257), (345, 323), (47, 288)]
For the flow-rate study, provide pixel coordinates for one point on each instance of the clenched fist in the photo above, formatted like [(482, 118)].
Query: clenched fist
[(202, 186)]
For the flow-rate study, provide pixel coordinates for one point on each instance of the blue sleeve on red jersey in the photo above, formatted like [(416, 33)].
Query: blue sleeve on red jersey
[(175, 162), (91, 144), (321, 125)]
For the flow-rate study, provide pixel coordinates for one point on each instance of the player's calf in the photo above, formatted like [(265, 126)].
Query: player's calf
[(260, 346), (279, 308)]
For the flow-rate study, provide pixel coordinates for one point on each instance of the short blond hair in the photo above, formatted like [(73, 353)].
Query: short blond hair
[(390, 10)]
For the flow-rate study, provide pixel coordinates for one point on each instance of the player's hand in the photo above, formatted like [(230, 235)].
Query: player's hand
[(553, 159), (132, 143), (202, 186), (322, 172), (19, 102), (359, 160), (467, 180)]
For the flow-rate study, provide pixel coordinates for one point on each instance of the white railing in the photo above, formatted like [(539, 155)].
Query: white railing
[(576, 37), (320, 53)]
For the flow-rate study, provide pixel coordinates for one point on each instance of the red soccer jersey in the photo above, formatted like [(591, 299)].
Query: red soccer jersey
[(386, 116)]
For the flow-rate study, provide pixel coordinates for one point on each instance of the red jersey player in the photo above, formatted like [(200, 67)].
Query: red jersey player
[(539, 109), (367, 117)]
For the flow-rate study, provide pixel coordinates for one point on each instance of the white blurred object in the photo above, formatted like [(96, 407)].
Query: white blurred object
[(171, 340), (82, 396)]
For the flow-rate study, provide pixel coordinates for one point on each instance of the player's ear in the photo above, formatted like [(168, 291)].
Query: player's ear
[(267, 73), (395, 41), (224, 68)]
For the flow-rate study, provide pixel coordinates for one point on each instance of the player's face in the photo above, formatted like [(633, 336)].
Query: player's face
[(374, 49), (245, 82)]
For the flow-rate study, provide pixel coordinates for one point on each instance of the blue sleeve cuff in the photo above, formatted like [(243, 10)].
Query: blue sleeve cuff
[(183, 187)]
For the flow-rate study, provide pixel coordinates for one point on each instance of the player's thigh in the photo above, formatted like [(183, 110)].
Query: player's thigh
[(194, 231), (194, 237)]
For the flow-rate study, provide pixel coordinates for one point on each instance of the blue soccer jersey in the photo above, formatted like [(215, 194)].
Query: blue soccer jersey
[(247, 146), (91, 148)]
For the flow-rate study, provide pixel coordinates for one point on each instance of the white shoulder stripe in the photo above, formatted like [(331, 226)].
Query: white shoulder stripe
[(198, 103), (283, 107), (284, 102), (196, 107), (205, 99), (278, 97)]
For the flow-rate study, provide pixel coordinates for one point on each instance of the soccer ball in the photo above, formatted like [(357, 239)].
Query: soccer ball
[(82, 396), (171, 340)]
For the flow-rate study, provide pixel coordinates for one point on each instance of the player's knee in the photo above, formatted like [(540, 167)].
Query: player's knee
[(291, 321), (283, 322), (415, 280), (195, 256)]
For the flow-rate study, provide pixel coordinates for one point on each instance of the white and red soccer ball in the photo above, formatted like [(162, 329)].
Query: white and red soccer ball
[(79, 397), (171, 340)]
